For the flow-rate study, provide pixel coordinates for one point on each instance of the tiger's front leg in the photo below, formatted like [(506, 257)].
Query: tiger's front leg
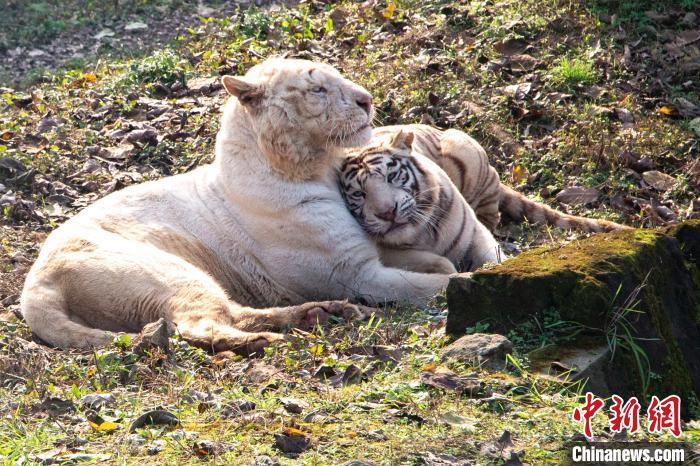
[(415, 260)]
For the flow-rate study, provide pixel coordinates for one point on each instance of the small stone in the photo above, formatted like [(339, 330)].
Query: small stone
[(690, 19), (205, 11), (445, 379), (204, 86), (314, 416), (118, 133), (624, 115), (377, 434), (104, 33), (442, 459), (10, 300), (498, 447), (47, 124), (461, 422), (488, 350), (695, 125)]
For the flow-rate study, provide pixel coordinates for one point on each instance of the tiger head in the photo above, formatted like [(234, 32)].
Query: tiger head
[(299, 111), (388, 191)]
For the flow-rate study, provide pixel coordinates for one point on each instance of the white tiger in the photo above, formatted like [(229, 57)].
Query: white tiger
[(264, 225)]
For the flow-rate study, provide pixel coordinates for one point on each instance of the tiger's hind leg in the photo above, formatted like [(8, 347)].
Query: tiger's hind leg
[(213, 336), (208, 319), (304, 316)]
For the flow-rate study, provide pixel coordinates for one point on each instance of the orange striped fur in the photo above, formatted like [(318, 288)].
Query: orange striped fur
[(467, 165)]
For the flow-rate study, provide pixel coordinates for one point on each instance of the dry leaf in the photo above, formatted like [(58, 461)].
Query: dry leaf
[(659, 181), (519, 174), (99, 424), (157, 416), (577, 195), (523, 62), (669, 110), (461, 422), (510, 47), (105, 426), (388, 12)]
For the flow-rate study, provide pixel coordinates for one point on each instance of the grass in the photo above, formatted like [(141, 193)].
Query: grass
[(389, 420), (34, 22), (161, 70), (619, 332), (409, 57), (574, 71), (633, 12)]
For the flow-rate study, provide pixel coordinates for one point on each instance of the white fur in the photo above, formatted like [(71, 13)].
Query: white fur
[(147, 251)]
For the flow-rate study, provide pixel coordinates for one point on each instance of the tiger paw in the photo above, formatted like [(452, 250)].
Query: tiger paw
[(319, 313)]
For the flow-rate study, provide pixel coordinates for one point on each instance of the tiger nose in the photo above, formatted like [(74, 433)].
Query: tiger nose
[(364, 101), (388, 215)]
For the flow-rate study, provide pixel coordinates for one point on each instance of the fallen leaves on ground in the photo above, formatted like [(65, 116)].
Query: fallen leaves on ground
[(578, 195)]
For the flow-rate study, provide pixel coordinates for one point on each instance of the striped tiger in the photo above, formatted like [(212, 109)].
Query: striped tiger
[(414, 211), (467, 165)]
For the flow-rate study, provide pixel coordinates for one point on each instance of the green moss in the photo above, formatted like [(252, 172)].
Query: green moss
[(590, 282), (580, 255)]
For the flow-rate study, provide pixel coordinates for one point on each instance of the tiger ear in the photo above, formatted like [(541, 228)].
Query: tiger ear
[(246, 92), (402, 140)]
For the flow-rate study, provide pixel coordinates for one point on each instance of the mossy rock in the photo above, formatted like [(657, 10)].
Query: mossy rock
[(654, 272)]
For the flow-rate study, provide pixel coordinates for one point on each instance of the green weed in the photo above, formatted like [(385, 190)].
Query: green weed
[(574, 71), (162, 68)]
